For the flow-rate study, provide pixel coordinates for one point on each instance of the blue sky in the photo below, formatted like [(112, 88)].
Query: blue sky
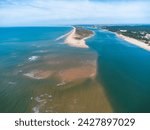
[(68, 12)]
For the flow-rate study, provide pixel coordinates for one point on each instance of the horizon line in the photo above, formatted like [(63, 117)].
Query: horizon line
[(75, 25)]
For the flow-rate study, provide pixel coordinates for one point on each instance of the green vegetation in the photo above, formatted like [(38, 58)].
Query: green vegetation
[(141, 32), (83, 32)]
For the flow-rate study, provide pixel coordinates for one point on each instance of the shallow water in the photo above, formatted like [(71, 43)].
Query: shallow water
[(41, 74)]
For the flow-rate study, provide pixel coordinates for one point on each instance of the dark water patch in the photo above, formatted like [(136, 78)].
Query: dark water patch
[(124, 71)]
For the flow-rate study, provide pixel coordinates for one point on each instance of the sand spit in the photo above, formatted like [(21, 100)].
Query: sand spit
[(75, 38)]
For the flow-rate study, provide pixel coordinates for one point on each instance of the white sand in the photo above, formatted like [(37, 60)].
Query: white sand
[(73, 41), (63, 36), (135, 42)]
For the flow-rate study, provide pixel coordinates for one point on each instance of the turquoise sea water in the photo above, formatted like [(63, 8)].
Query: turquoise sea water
[(122, 68), (17, 43)]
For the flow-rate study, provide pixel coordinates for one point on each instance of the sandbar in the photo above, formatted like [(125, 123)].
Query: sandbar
[(77, 37)]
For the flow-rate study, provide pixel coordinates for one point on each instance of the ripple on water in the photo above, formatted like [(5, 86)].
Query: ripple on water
[(41, 51)]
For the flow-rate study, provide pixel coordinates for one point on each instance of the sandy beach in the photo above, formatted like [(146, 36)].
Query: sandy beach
[(134, 41), (76, 40)]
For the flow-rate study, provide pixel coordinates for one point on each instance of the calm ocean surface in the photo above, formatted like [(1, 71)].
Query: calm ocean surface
[(123, 70)]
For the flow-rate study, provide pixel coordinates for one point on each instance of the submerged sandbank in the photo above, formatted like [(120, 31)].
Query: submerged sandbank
[(87, 70), (39, 74), (68, 77)]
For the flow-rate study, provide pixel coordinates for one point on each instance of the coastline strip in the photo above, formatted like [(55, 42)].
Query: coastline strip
[(63, 36), (134, 41)]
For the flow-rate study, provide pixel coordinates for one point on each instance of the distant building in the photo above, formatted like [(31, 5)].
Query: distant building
[(133, 32), (142, 33), (147, 36), (123, 30)]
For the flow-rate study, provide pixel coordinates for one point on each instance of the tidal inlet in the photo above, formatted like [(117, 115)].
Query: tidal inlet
[(74, 56)]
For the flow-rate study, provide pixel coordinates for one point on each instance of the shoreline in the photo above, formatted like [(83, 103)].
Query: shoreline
[(134, 41), (73, 39), (63, 36)]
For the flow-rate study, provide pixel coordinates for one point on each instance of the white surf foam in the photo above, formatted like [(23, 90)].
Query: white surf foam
[(33, 58), (63, 36), (36, 109), (41, 51), (41, 101), (12, 83), (61, 84)]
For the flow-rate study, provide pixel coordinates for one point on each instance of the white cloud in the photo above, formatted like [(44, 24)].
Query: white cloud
[(49, 12)]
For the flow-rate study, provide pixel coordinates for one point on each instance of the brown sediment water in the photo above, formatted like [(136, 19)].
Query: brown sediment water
[(81, 96), (69, 83), (53, 77)]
